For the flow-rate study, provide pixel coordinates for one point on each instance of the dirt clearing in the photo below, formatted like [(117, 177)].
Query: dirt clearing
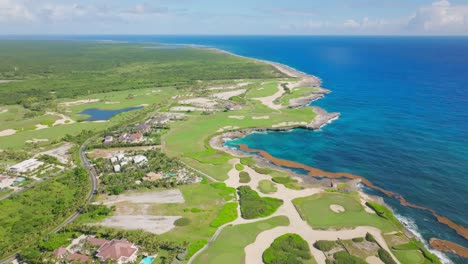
[(150, 223), (158, 197)]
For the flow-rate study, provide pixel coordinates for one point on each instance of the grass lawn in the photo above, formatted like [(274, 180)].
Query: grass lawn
[(208, 202), (316, 211), (409, 256), (230, 244), (295, 93), (266, 187), (267, 89)]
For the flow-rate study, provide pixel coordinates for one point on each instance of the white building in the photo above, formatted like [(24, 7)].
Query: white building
[(114, 159), (27, 165), (117, 168), (140, 159)]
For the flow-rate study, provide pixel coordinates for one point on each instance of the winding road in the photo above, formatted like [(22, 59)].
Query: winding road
[(92, 193)]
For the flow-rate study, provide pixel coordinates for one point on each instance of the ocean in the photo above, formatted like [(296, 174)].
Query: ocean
[(404, 115)]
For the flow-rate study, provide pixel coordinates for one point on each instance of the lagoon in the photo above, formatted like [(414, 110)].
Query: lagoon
[(97, 114)]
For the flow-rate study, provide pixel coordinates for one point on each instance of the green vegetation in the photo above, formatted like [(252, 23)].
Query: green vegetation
[(239, 167), (384, 212), (385, 256), (244, 177), (94, 213), (288, 249), (54, 241), (370, 238), (195, 247), (325, 245), (72, 69), (182, 222), (27, 216), (354, 214), (226, 215), (410, 256), (248, 161), (253, 206), (262, 170), (295, 93), (343, 257), (288, 182), (413, 250), (230, 244), (266, 187), (358, 239)]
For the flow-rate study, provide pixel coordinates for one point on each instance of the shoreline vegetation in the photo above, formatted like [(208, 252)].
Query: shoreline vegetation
[(322, 119)]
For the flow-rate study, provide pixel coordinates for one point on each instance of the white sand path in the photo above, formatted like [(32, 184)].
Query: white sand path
[(7, 132), (269, 100), (255, 250)]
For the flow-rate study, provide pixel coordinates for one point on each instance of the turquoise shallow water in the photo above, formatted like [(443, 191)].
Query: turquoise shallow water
[(404, 123)]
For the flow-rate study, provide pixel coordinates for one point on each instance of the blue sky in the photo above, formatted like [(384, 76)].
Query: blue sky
[(246, 17)]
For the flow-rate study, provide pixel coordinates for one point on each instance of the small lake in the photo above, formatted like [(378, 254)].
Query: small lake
[(97, 114)]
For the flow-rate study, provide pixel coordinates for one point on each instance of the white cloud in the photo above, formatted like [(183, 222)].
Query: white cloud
[(440, 17), (12, 10), (351, 23)]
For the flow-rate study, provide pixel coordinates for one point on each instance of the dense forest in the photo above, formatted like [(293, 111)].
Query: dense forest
[(49, 69), (30, 214)]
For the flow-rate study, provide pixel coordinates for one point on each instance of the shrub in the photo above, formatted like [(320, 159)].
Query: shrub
[(226, 192), (344, 257), (244, 177), (358, 239), (239, 167), (370, 238), (253, 206), (288, 248), (195, 247), (385, 257), (247, 161), (227, 214), (182, 222), (262, 170), (325, 245)]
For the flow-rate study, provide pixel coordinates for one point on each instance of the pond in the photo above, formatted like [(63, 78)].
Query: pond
[(96, 114)]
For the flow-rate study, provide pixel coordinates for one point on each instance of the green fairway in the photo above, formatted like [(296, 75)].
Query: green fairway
[(316, 211), (295, 93), (409, 256), (230, 244)]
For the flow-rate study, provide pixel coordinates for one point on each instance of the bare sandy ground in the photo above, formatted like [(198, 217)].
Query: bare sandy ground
[(7, 132), (158, 197), (39, 126), (337, 208), (260, 117), (64, 120), (150, 223), (37, 140), (374, 260), (185, 109), (61, 153), (7, 81), (227, 95), (227, 128), (200, 102), (112, 103), (228, 87), (3, 111), (237, 117), (78, 102), (285, 124)]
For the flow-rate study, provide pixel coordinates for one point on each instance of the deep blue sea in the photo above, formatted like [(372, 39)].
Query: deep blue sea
[(404, 122)]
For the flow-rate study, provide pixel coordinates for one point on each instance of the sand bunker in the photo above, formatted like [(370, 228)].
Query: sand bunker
[(228, 87), (3, 111), (337, 208), (150, 223), (260, 117), (7, 132), (170, 196), (63, 119), (185, 109), (7, 81), (37, 140), (79, 102), (286, 124), (236, 117), (374, 260), (201, 102), (227, 128), (39, 126), (112, 103), (228, 95)]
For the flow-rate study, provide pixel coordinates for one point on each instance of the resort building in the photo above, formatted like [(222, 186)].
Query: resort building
[(136, 138), (27, 165), (97, 241), (120, 251), (108, 140), (60, 252), (117, 168), (77, 257), (140, 159), (143, 127)]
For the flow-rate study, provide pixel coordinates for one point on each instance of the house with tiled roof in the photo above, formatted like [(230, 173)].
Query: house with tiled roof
[(120, 251), (97, 241), (60, 252), (78, 258)]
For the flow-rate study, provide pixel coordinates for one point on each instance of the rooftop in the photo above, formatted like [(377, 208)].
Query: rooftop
[(116, 249)]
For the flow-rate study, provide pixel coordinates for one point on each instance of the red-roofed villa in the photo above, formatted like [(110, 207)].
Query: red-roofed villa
[(121, 251)]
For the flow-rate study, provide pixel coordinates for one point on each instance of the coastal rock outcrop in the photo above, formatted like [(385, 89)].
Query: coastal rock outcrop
[(322, 118)]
